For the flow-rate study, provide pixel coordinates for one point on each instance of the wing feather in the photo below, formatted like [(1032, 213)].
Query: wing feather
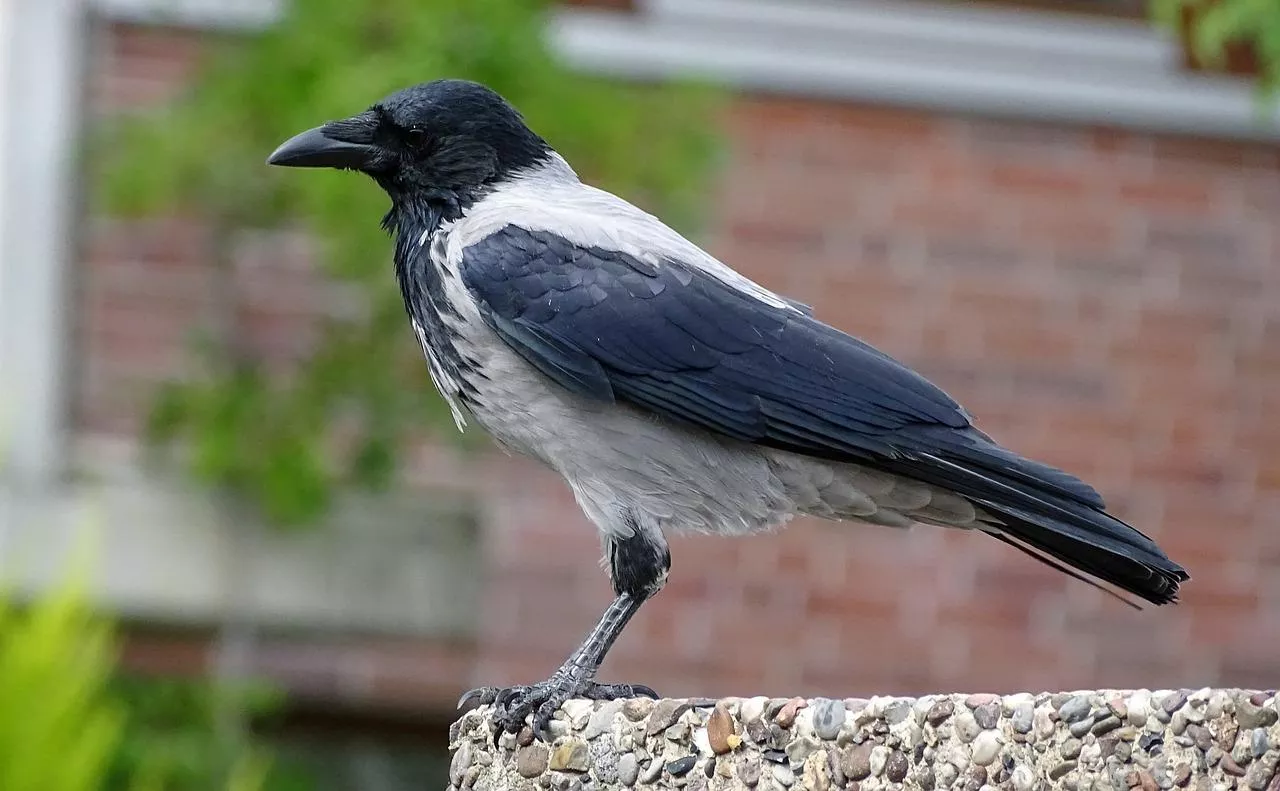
[(684, 344)]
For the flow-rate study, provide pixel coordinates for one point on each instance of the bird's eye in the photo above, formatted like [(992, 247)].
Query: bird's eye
[(416, 136)]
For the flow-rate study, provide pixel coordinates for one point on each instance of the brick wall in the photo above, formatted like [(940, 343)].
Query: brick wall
[(1106, 301)]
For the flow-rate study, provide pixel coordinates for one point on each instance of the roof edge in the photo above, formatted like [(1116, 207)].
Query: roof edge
[(944, 56)]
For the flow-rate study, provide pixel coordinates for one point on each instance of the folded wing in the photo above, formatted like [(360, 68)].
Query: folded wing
[(677, 341)]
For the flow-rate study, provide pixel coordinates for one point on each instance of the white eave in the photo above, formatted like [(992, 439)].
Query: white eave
[(948, 56)]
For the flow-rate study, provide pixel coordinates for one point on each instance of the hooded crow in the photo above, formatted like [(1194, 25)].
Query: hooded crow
[(670, 392)]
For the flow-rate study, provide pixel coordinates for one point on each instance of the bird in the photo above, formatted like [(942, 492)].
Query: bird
[(671, 393)]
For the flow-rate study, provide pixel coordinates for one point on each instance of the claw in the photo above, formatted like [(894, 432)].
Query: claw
[(480, 696), (540, 731), (512, 705)]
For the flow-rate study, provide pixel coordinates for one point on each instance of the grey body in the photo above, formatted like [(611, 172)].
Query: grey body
[(620, 462)]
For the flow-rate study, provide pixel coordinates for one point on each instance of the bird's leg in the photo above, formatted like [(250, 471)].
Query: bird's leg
[(638, 565)]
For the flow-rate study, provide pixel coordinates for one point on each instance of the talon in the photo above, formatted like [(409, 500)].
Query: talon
[(503, 699), (540, 731), (480, 696), (512, 705)]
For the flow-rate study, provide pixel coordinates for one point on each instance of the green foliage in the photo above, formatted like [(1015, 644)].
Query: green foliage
[(1221, 22), (175, 740), (59, 724), (70, 721), (266, 437)]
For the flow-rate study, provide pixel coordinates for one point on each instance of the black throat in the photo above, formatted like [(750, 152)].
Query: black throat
[(415, 226)]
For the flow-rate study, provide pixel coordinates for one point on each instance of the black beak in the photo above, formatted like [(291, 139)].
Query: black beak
[(314, 149)]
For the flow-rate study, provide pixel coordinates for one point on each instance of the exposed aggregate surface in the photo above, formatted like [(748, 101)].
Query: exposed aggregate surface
[(1199, 740)]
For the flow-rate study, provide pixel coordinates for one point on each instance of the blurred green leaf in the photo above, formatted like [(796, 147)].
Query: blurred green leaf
[(70, 721), (1223, 22), (59, 725)]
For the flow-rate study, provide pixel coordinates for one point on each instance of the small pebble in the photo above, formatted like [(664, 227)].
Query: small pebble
[(654, 768), (1080, 727), (681, 766), (801, 748), (577, 711), (1259, 743), (721, 733), (459, 763), (1200, 737), (787, 714), (785, 776), (1173, 702), (636, 709), (855, 761), (663, 716), (1118, 708), (1214, 755), (980, 699), (828, 718), (1061, 769), (895, 768), (1253, 715), (1075, 709), (1023, 778), (966, 726), (1182, 775), (896, 712), (879, 757), (752, 708), (571, 755), (1139, 705), (602, 719), (1023, 717), (531, 760), (946, 775), (987, 715), (1105, 726), (985, 747), (1257, 778), (1230, 766), (940, 712), (1070, 748), (628, 769), (749, 770)]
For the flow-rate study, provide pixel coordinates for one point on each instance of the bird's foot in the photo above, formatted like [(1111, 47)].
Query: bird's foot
[(512, 705)]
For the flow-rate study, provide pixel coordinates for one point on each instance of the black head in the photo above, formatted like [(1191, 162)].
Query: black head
[(444, 139)]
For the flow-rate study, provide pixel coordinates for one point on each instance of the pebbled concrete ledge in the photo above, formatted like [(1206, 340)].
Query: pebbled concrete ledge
[(1200, 740)]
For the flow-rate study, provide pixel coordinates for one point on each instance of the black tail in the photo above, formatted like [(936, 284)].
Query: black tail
[(1047, 514)]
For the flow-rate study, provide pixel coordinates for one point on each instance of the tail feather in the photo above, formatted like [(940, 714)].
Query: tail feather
[(1049, 515)]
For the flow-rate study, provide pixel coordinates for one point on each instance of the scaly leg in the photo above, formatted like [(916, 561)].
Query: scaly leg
[(638, 566)]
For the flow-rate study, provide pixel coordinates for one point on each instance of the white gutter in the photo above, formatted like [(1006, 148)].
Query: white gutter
[(943, 56), (950, 56)]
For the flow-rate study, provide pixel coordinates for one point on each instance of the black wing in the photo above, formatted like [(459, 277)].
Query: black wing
[(676, 341)]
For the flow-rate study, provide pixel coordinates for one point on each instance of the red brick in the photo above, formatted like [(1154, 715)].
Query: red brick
[(1215, 156), (1044, 223), (1193, 196), (1097, 297), (1025, 181)]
